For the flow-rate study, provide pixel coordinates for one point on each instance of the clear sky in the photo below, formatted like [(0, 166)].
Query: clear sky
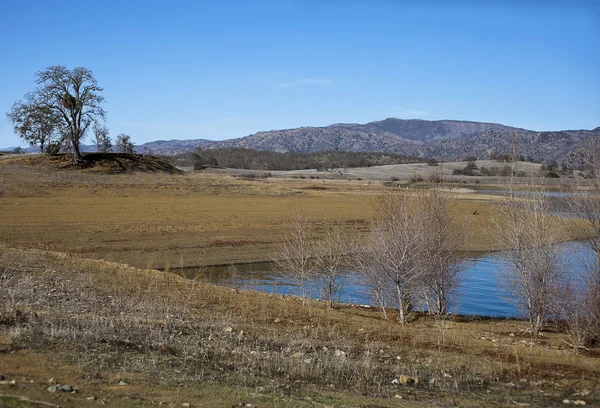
[(225, 69)]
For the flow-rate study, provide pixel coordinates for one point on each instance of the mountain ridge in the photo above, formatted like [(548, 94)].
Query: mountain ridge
[(446, 139)]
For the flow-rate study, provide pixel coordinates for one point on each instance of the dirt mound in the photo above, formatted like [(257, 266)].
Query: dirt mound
[(109, 163)]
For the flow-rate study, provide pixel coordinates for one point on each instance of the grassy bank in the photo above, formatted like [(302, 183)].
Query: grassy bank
[(95, 324)]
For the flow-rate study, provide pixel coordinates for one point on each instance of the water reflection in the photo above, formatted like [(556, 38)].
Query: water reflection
[(479, 293)]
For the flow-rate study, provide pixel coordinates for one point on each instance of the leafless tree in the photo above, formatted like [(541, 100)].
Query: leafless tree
[(444, 235), (390, 260), (33, 122), (294, 254), (532, 263), (72, 96), (581, 297), (101, 137), (330, 253)]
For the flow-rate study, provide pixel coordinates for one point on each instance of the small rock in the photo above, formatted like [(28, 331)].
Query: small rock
[(398, 396), (51, 380), (277, 320), (511, 335), (579, 402), (340, 353), (228, 329), (446, 375), (92, 398), (395, 381), (122, 383), (186, 404), (566, 401), (60, 388)]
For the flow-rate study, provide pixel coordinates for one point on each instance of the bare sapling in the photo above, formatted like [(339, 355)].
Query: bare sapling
[(581, 297), (331, 262), (444, 235), (294, 258), (531, 271), (390, 263)]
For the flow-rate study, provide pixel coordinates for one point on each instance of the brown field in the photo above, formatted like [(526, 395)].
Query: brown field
[(159, 220), (94, 324)]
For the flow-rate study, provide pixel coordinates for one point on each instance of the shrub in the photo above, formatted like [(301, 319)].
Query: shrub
[(416, 178), (435, 177), (53, 149)]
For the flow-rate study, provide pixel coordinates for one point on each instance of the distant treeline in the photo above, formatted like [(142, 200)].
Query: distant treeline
[(262, 160)]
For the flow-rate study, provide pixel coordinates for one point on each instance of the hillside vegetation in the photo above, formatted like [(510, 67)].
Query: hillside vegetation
[(250, 159)]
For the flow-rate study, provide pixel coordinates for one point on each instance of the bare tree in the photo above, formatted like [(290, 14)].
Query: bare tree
[(124, 143), (294, 255), (33, 122), (73, 98), (444, 237), (101, 137), (531, 273), (390, 261), (581, 297), (331, 262)]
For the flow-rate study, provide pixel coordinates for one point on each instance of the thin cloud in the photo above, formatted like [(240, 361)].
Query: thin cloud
[(304, 82)]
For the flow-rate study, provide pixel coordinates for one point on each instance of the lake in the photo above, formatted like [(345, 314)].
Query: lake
[(479, 293)]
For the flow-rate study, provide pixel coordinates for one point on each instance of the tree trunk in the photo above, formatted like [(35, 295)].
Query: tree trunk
[(401, 314), (77, 158)]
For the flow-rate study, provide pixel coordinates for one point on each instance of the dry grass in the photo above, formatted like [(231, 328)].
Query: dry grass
[(110, 322), (176, 340), (159, 220)]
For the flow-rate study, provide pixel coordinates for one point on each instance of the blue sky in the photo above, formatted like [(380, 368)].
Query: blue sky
[(225, 69)]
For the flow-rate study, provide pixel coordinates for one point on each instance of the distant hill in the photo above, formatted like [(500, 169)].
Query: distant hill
[(447, 140)]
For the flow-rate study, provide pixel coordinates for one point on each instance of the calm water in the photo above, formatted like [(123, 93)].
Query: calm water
[(553, 194), (479, 293)]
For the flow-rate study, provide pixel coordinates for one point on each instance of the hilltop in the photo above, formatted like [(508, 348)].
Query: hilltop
[(448, 140), (102, 163)]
